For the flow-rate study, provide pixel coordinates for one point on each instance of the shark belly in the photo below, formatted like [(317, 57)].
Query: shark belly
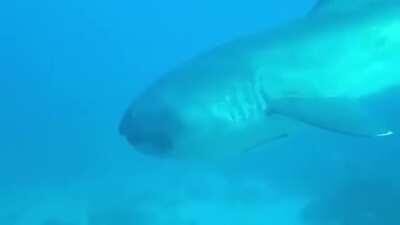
[(221, 108), (229, 122)]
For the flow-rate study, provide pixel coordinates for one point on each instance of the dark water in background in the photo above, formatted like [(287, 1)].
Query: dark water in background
[(68, 70)]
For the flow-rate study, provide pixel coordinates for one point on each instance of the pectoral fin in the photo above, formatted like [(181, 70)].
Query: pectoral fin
[(341, 115), (267, 141)]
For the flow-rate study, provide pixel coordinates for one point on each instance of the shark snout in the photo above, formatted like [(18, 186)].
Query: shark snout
[(150, 132)]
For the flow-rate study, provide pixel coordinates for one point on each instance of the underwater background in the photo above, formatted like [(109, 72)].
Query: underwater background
[(69, 69)]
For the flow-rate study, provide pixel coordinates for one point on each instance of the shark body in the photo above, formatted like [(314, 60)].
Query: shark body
[(313, 72)]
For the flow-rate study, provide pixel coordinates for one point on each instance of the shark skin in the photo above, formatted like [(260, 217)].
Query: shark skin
[(315, 72)]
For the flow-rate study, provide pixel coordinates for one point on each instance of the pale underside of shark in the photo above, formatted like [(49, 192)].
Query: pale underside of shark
[(313, 72)]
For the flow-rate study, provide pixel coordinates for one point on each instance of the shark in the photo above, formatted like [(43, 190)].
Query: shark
[(317, 71)]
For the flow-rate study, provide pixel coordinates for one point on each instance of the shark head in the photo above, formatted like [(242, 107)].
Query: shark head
[(150, 129)]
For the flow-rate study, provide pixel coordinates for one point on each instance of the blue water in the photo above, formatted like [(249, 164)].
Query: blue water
[(68, 70)]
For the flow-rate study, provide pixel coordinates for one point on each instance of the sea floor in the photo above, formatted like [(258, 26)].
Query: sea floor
[(145, 199)]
